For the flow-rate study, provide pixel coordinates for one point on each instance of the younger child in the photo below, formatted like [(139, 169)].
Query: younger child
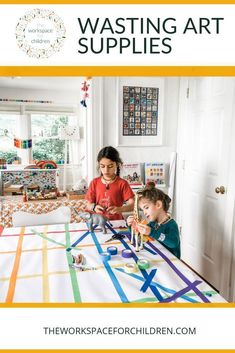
[(155, 204)]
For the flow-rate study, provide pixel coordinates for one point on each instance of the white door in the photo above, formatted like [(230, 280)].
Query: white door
[(207, 127)]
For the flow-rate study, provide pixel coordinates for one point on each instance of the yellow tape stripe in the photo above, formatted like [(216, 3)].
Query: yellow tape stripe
[(45, 268), (153, 262), (60, 247), (36, 275), (12, 282)]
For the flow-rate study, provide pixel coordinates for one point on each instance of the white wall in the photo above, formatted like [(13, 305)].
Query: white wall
[(110, 106), (143, 154)]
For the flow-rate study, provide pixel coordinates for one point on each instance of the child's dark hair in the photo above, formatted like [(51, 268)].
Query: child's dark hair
[(111, 153), (151, 193)]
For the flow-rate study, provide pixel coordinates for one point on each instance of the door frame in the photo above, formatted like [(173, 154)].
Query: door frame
[(227, 281)]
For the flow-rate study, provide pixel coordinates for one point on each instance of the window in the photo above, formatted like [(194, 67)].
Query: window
[(45, 134), (44, 129), (8, 129)]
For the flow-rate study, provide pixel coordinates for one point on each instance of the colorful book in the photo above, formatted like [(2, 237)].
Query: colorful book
[(155, 172), (132, 173)]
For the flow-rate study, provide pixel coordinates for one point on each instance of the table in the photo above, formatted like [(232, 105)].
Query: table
[(34, 267), (11, 204)]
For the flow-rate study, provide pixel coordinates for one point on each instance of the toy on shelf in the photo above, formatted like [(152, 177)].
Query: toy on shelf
[(3, 163), (46, 164), (41, 195), (15, 160), (24, 144)]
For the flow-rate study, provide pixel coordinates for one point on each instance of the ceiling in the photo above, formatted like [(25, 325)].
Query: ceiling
[(44, 83)]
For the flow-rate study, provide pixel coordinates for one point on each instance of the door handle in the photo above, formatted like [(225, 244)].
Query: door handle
[(220, 189)]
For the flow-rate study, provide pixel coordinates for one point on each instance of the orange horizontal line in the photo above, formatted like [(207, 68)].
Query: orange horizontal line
[(117, 70), (123, 2)]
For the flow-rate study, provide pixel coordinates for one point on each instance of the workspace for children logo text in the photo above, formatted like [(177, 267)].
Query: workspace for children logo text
[(40, 33)]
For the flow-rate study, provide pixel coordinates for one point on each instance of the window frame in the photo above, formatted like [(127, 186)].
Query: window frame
[(29, 110)]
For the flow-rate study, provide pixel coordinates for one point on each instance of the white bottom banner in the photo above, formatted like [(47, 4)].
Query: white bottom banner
[(117, 328)]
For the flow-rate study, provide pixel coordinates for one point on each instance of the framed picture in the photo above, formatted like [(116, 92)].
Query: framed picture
[(140, 102)]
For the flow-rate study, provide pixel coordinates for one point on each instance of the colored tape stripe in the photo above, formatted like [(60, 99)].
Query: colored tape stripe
[(112, 276), (81, 238), (192, 286), (179, 273), (144, 272), (72, 271), (47, 238), (12, 281), (169, 262), (50, 232), (149, 250), (148, 281), (46, 297), (163, 288)]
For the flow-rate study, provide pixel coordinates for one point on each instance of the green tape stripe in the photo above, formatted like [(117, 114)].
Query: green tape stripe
[(52, 240), (72, 271), (153, 299), (49, 239)]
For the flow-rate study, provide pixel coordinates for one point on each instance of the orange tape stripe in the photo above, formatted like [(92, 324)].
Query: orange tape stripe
[(12, 282)]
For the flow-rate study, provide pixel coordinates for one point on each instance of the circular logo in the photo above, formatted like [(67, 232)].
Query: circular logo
[(40, 33)]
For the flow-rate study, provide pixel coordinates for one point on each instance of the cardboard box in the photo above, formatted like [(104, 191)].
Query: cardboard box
[(72, 196)]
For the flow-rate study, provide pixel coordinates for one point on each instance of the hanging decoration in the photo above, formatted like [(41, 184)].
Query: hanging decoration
[(69, 132), (24, 144), (4, 132), (85, 89)]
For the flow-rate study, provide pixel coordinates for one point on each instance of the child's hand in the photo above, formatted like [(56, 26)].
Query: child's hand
[(112, 209), (129, 220), (99, 209), (143, 229)]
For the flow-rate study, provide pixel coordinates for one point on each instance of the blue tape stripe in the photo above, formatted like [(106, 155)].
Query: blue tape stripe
[(110, 272), (80, 239), (148, 281), (127, 233), (144, 272), (155, 284), (179, 273), (150, 250)]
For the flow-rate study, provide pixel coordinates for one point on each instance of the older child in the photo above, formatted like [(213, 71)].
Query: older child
[(155, 204), (107, 193)]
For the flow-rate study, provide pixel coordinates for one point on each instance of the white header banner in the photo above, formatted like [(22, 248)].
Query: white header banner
[(117, 35), (117, 328)]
